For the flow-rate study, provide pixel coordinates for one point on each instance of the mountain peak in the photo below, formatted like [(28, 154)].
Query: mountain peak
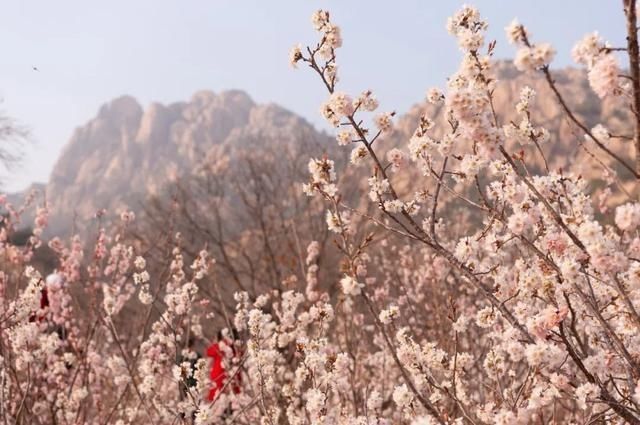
[(121, 108), (127, 152)]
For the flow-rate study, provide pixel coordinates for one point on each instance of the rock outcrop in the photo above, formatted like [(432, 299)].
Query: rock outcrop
[(127, 153)]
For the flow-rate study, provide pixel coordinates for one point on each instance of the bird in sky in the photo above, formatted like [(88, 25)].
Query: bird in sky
[(35, 68)]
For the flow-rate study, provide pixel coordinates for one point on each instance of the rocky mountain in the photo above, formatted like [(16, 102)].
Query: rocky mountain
[(127, 154)]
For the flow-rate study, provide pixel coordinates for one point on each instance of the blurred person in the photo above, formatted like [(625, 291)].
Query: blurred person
[(52, 280), (223, 351), (53, 287)]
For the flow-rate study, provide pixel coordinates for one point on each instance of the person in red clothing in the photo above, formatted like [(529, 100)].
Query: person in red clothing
[(44, 303), (219, 352)]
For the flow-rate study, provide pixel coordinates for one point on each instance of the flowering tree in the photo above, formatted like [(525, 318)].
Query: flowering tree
[(248, 211), (489, 292), (559, 306)]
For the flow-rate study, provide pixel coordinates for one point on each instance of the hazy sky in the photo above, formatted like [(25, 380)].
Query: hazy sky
[(89, 52)]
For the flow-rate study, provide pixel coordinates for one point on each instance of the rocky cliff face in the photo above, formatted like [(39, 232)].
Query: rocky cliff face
[(127, 153)]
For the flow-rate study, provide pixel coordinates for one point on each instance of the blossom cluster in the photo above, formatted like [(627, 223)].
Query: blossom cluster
[(602, 64)]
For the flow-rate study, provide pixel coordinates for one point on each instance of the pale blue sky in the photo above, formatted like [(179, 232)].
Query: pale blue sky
[(89, 52)]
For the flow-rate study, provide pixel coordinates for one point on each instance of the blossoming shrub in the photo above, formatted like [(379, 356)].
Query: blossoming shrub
[(486, 294)]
